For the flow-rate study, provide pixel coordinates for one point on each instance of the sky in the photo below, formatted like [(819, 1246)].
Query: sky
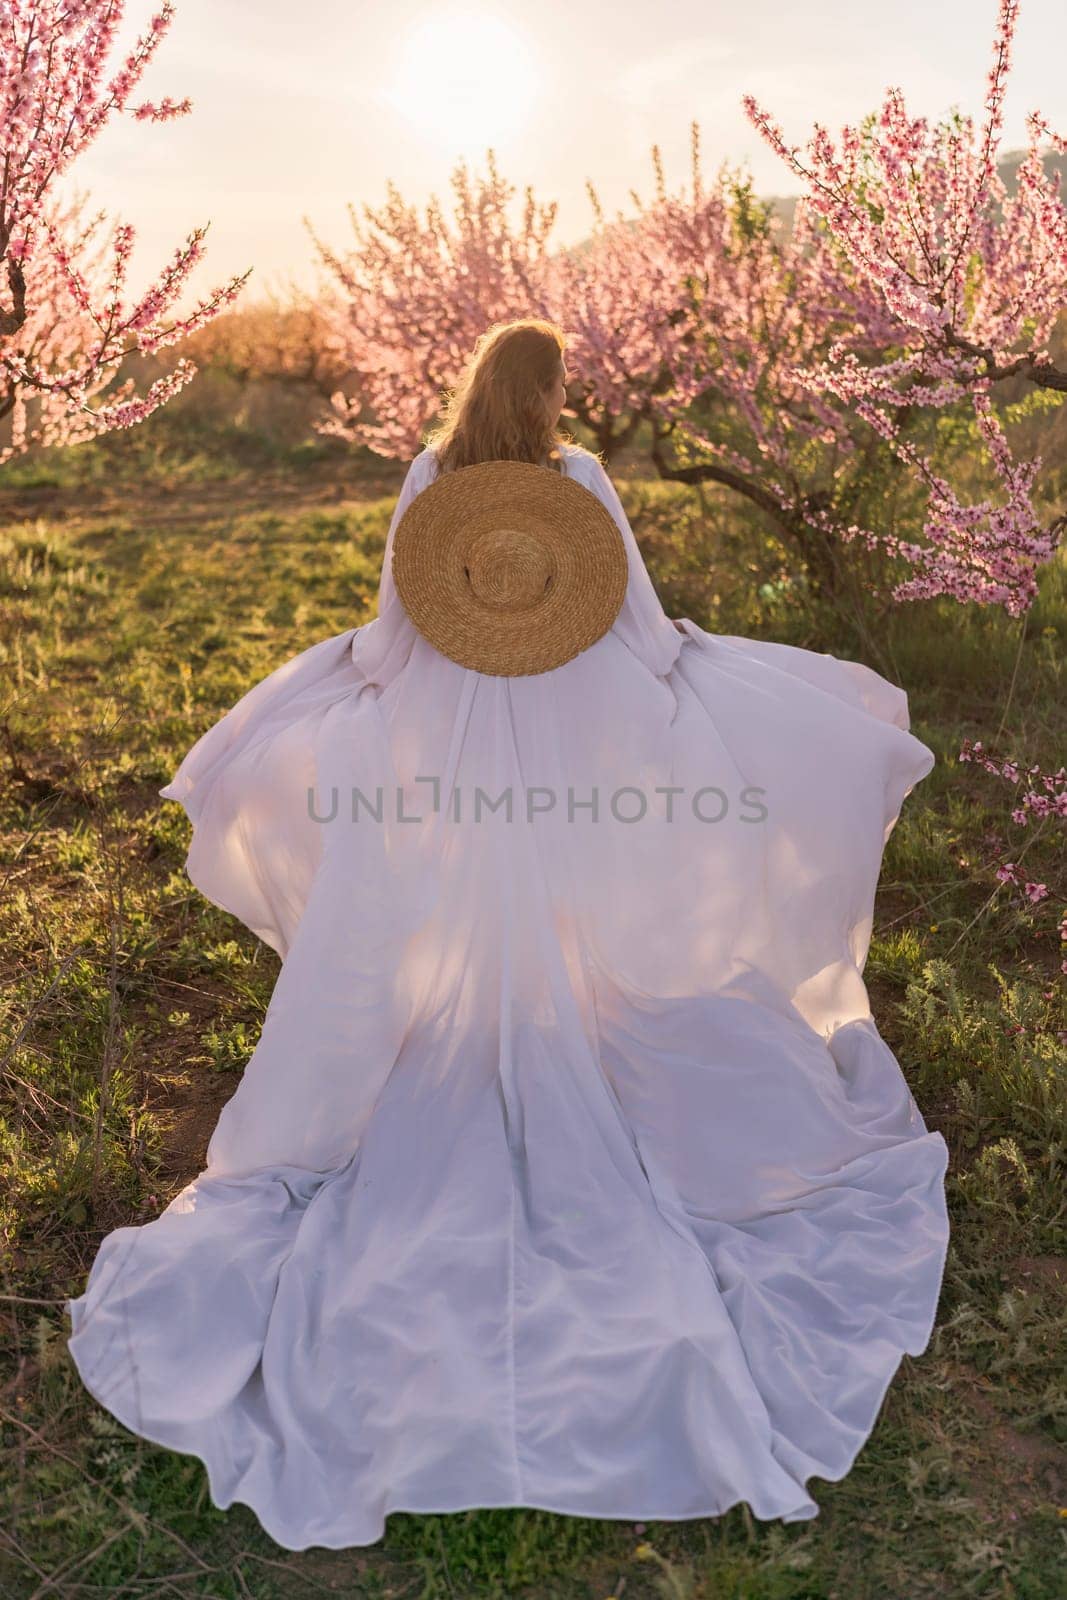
[(300, 111)]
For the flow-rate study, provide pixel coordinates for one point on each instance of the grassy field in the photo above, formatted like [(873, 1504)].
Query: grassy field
[(141, 592)]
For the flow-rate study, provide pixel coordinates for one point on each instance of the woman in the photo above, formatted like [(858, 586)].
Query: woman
[(570, 1169)]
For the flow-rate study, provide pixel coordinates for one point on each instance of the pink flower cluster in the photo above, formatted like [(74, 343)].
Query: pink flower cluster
[(406, 303), (971, 279), (64, 326), (697, 315), (1044, 797)]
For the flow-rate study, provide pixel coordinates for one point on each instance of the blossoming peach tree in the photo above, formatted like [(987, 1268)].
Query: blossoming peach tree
[(65, 324), (699, 318), (407, 301), (972, 279)]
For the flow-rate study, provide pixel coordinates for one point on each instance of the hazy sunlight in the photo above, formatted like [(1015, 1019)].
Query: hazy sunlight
[(465, 78)]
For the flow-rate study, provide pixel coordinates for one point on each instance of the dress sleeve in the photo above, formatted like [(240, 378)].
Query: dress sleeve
[(381, 647), (642, 624)]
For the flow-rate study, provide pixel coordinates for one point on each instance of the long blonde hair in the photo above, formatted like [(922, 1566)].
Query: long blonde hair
[(497, 411)]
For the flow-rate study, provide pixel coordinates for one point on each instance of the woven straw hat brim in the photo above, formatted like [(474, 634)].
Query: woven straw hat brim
[(509, 568)]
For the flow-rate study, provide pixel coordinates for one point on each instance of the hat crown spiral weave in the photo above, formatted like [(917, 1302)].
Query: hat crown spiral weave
[(509, 568)]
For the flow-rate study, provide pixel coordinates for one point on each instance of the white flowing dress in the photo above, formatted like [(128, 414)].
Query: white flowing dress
[(570, 1169)]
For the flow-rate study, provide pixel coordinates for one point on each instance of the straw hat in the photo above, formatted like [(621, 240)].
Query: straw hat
[(508, 567)]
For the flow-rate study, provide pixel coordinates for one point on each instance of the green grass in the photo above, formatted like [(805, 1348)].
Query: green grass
[(141, 592)]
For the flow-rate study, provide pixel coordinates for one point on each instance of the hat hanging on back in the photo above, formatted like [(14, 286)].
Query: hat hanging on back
[(509, 568)]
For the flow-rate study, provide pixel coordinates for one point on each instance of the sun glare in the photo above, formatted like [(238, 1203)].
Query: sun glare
[(465, 79)]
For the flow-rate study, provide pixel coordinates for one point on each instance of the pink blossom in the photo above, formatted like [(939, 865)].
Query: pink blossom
[(65, 326), (1041, 798), (972, 280)]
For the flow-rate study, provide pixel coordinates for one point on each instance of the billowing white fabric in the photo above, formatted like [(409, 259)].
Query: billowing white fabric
[(570, 1169)]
